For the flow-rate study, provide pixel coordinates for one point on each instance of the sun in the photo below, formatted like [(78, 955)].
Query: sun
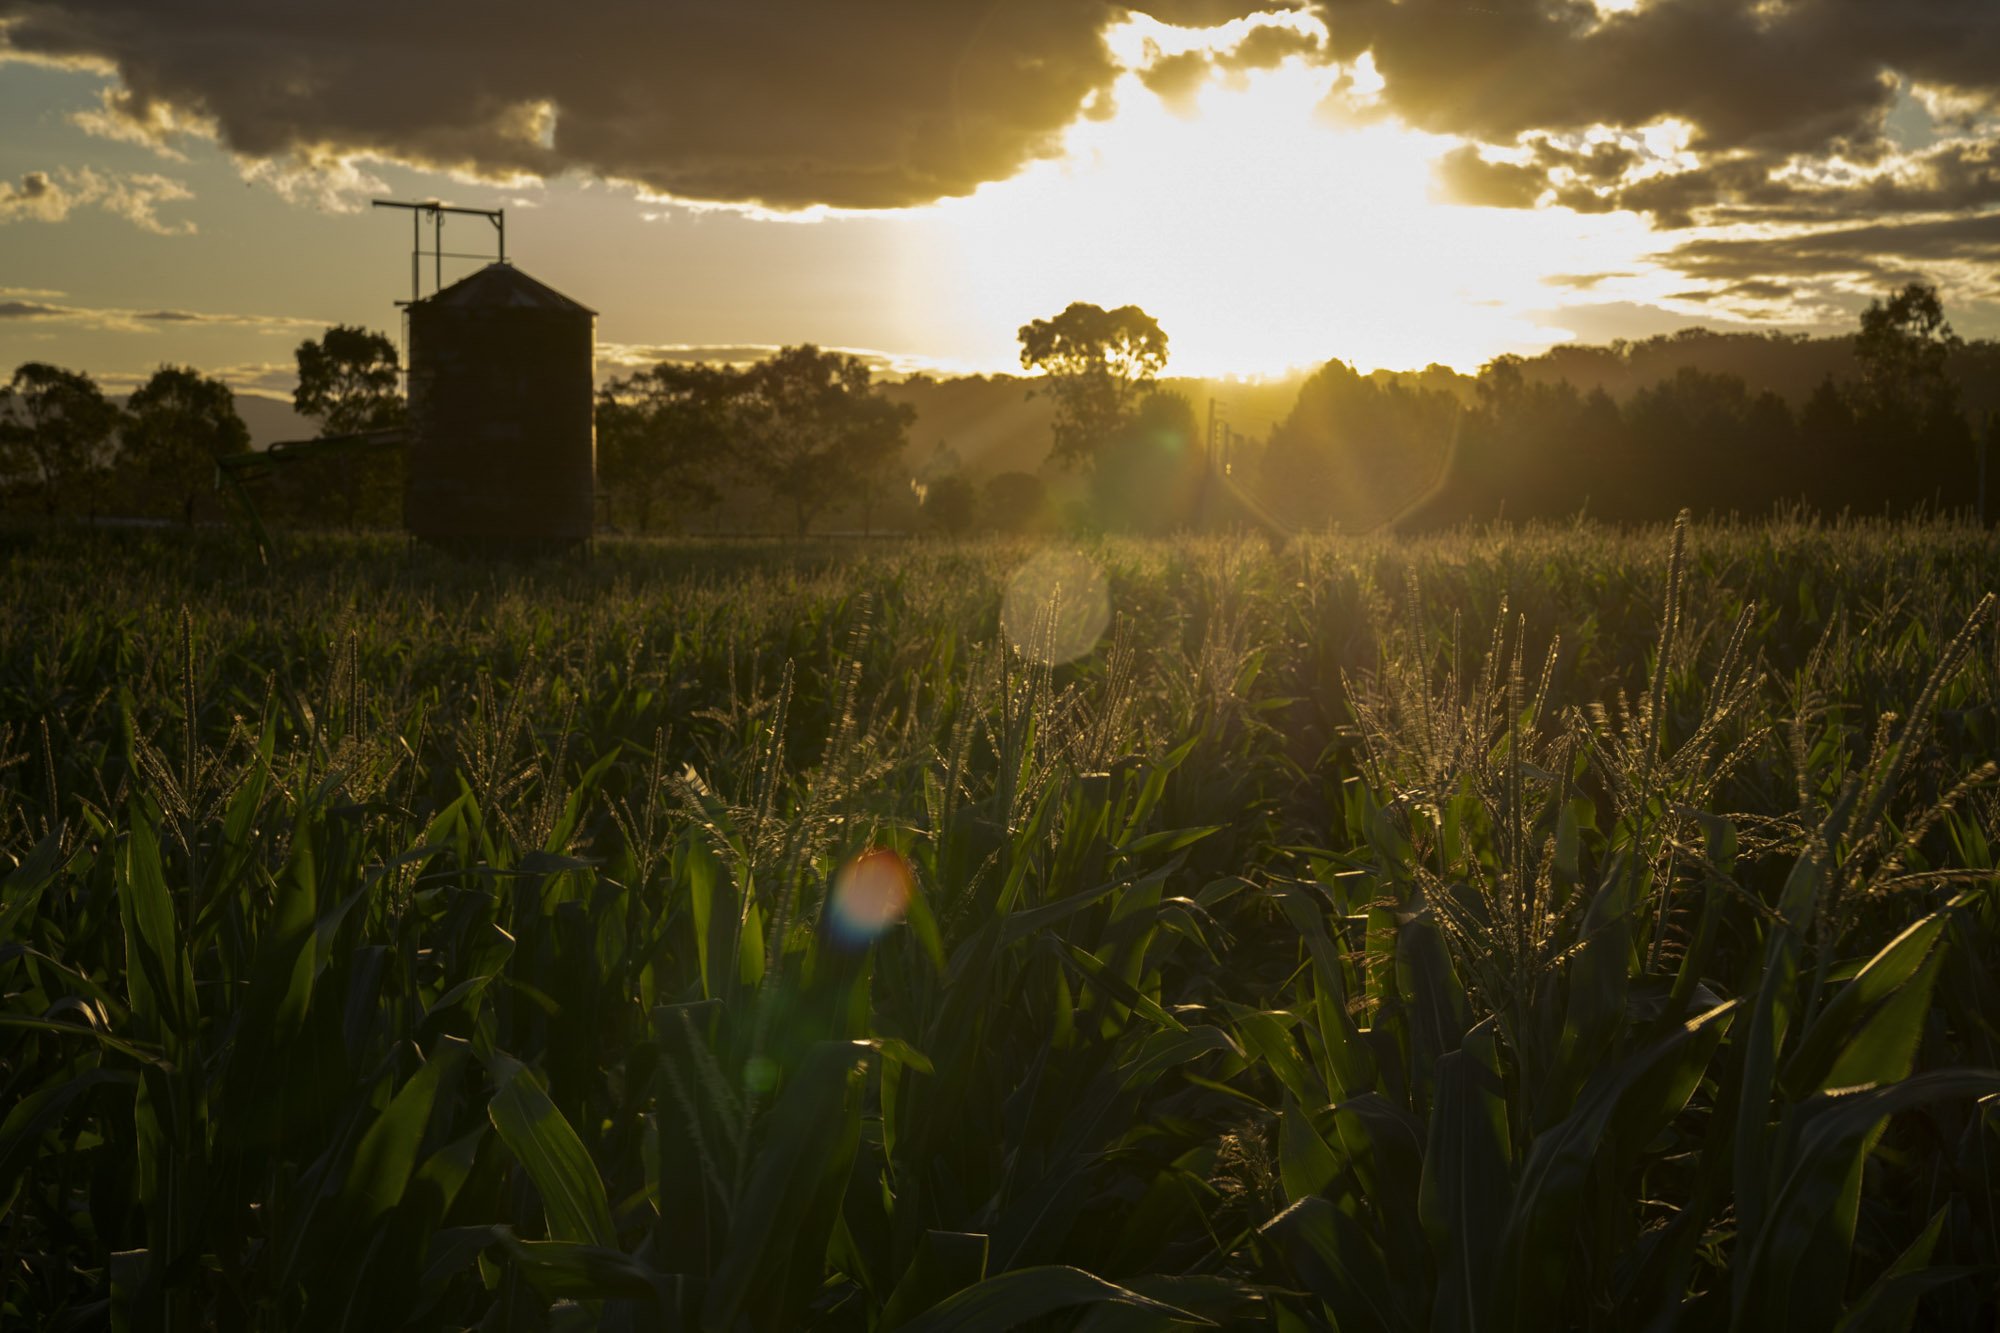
[(1275, 220)]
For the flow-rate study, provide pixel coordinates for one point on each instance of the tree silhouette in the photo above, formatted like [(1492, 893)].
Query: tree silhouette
[(177, 425), (1099, 365), (1014, 501), (1904, 347), (1908, 402), (348, 381), (1148, 475), (662, 435), (950, 503), (57, 425), (815, 429), (1354, 449)]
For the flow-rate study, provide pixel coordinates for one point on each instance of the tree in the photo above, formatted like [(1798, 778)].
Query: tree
[(662, 435), (1904, 347), (1014, 501), (1099, 364), (1148, 476), (1354, 449), (949, 504), (1701, 441), (816, 429), (1908, 402), (347, 381), (58, 424), (177, 425)]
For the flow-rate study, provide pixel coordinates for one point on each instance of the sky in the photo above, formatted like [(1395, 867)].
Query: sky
[(1390, 182)]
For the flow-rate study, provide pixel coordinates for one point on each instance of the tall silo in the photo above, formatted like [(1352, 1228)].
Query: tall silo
[(503, 446)]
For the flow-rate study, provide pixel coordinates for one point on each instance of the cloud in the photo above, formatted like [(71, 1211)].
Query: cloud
[(1857, 249), (29, 310), (272, 381), (1465, 176), (1178, 78), (262, 323), (41, 196), (155, 125), (1749, 289), (617, 359), (1761, 93), (150, 321), (1583, 282), (1953, 175), (781, 103), (1607, 321), (35, 198), (1960, 254), (1798, 74)]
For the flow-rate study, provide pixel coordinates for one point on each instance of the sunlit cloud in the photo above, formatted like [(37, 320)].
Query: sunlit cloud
[(158, 127), (42, 196)]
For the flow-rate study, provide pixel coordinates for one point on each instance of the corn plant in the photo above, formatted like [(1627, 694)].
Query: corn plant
[(751, 937)]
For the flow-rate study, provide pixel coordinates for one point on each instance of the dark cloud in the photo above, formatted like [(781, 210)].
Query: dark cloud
[(34, 196), (138, 321), (1582, 282), (1205, 13), (1176, 79), (1607, 321), (1269, 45), (786, 103), (1749, 289), (262, 323), (1467, 178), (1836, 263), (1871, 249), (1795, 75), (1953, 176), (1760, 83)]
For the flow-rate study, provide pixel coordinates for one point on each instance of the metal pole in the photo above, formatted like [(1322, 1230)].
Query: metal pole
[(497, 216)]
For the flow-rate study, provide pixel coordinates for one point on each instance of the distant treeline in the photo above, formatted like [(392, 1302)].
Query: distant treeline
[(66, 449), (1887, 420), (1892, 419)]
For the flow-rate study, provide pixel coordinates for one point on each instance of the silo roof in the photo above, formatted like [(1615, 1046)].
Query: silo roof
[(504, 286)]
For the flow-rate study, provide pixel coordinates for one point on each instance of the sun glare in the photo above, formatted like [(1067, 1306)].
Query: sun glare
[(1268, 224)]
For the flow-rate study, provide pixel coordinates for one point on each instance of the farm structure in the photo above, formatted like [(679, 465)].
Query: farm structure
[(500, 440), (502, 443)]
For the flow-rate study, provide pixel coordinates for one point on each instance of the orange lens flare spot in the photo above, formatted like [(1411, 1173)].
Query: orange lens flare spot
[(870, 894)]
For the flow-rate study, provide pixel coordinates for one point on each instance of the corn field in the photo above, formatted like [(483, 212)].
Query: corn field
[(1548, 928)]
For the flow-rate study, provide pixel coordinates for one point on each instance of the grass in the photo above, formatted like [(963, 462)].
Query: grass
[(1527, 929)]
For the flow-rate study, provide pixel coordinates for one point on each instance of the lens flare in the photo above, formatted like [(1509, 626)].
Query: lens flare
[(1056, 607), (870, 894)]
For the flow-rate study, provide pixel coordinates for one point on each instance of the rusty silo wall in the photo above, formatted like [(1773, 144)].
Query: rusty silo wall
[(503, 450)]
